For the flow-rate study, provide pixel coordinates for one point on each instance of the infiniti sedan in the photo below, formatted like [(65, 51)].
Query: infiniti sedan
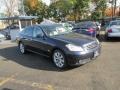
[(59, 43)]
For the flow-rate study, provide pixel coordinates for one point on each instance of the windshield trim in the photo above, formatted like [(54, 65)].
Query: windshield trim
[(44, 28)]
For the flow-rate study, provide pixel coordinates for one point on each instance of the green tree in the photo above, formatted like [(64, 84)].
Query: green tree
[(100, 7), (36, 8), (96, 15), (80, 7), (62, 8)]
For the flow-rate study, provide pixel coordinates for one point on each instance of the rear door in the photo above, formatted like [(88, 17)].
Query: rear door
[(27, 37)]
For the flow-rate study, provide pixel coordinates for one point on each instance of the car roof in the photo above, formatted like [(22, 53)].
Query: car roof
[(49, 25), (87, 21), (115, 21)]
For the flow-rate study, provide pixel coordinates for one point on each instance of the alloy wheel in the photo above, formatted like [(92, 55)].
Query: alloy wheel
[(22, 48), (59, 59)]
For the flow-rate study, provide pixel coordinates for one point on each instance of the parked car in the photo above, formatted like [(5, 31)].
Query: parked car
[(8, 29), (61, 44), (113, 29), (88, 28), (71, 22), (1, 37)]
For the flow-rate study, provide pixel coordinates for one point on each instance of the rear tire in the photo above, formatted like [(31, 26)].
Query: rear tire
[(106, 37), (22, 48)]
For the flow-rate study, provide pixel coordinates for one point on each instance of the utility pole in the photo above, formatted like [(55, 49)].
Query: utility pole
[(119, 10), (112, 8), (112, 3), (115, 7)]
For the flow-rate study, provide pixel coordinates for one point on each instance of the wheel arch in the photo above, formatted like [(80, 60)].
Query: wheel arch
[(57, 48)]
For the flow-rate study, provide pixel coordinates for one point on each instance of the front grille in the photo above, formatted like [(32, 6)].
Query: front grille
[(91, 45)]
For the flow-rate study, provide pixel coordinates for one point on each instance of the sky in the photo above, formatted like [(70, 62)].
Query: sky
[(46, 1), (3, 7)]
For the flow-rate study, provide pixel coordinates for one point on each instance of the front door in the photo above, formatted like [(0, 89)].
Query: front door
[(39, 42)]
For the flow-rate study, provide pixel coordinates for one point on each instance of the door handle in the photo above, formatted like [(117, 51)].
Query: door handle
[(30, 39)]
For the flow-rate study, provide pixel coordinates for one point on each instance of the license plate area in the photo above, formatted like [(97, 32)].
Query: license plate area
[(84, 61)]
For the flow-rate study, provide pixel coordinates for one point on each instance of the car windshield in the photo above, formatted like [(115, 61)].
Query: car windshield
[(115, 23), (67, 25), (54, 30)]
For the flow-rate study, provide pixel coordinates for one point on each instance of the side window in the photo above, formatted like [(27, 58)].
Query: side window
[(37, 33), (28, 31), (22, 32)]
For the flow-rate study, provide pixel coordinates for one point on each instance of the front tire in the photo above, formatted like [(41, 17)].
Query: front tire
[(106, 37), (59, 59)]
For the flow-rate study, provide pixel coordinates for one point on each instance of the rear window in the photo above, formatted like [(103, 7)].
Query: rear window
[(85, 25), (115, 23)]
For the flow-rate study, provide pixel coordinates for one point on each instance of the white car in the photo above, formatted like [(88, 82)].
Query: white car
[(1, 36), (113, 29)]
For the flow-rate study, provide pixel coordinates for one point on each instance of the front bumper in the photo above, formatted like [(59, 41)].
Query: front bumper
[(78, 58)]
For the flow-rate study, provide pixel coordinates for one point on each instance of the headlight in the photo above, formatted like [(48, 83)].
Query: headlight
[(72, 47)]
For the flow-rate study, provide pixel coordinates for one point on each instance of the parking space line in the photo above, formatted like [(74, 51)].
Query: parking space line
[(26, 83), (33, 84), (5, 80)]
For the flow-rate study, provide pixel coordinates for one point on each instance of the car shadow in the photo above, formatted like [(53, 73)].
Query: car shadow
[(102, 38), (6, 89), (30, 60), (115, 39)]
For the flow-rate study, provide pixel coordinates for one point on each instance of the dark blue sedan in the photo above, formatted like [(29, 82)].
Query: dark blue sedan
[(61, 44), (88, 28)]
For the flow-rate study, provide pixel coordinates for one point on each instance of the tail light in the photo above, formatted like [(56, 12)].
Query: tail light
[(91, 30), (110, 31)]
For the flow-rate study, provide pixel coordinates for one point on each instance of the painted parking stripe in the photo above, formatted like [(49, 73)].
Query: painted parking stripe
[(26, 83), (33, 84), (5, 80)]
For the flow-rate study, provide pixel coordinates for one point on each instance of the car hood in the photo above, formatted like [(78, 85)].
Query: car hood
[(74, 38)]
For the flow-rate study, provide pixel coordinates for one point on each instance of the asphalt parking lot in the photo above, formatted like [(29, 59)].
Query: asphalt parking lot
[(34, 72)]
